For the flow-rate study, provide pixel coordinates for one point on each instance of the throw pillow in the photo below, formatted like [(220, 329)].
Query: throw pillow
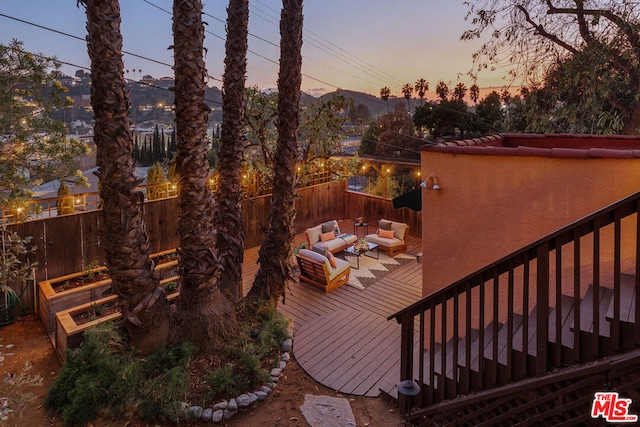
[(332, 259), (325, 237), (387, 234), (328, 226), (384, 224)]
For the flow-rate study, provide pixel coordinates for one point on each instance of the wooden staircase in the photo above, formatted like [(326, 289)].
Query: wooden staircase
[(522, 342)]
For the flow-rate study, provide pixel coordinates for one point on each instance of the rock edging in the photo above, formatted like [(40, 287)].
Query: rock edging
[(228, 408)]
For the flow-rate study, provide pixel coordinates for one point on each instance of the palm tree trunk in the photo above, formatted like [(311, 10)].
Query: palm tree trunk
[(203, 314), (275, 252), (124, 236), (228, 218)]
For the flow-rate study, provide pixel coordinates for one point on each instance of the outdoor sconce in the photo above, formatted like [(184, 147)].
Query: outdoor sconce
[(430, 182)]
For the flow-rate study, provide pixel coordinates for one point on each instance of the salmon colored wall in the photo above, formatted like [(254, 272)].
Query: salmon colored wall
[(489, 206)]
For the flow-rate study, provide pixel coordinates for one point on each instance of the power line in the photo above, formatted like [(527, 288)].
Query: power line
[(339, 52)]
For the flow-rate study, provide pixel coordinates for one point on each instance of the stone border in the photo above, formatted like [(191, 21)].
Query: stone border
[(227, 409)]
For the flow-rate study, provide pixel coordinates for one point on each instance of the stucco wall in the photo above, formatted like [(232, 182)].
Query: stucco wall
[(491, 205)]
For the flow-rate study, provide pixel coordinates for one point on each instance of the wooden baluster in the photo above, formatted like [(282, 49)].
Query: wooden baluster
[(576, 295), (432, 358), (466, 385), (481, 326), (421, 357), (595, 310), (442, 393), (525, 311), (617, 242), (510, 286), (455, 340), (636, 325), (558, 334), (494, 348), (542, 308), (406, 356)]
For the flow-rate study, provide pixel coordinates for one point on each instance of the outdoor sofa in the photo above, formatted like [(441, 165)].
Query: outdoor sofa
[(327, 237), (326, 273), (391, 236)]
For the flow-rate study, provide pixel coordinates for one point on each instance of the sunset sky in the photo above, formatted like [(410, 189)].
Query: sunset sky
[(360, 45)]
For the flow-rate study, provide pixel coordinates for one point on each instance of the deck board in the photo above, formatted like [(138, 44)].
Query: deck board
[(342, 339)]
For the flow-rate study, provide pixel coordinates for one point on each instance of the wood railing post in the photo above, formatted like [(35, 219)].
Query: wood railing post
[(542, 308), (406, 358)]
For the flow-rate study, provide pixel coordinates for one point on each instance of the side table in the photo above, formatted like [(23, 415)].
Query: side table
[(357, 226)]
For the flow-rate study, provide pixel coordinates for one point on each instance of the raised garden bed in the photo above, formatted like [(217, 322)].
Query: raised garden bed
[(72, 290), (71, 323)]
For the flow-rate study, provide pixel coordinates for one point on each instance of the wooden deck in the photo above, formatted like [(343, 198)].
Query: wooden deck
[(342, 339)]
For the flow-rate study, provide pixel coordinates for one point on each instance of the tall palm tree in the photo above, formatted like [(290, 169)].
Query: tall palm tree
[(228, 214), (203, 314), (474, 93), (276, 250), (421, 86), (385, 93), (407, 90), (442, 90), (124, 236)]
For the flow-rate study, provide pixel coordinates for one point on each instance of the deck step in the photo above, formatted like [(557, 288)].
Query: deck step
[(566, 334), (627, 300), (586, 311)]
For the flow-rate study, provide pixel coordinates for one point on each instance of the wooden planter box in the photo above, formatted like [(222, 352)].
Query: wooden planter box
[(51, 300), (69, 332)]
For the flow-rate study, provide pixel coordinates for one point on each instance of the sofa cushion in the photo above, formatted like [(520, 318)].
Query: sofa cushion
[(331, 258), (325, 237), (385, 233), (384, 241), (384, 224), (314, 234), (334, 245), (399, 229), (341, 267), (330, 226), (314, 256)]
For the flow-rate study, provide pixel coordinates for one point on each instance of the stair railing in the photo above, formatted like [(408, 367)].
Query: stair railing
[(460, 326)]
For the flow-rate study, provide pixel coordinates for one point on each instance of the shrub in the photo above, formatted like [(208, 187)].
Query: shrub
[(66, 205), (100, 374), (156, 179), (250, 359)]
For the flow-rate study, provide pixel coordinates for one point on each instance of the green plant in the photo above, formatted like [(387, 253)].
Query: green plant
[(66, 204), (90, 269), (101, 374), (15, 268), (171, 287), (249, 359), (299, 246), (15, 394), (156, 182)]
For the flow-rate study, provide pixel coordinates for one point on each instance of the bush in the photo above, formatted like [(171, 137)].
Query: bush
[(250, 359), (100, 374)]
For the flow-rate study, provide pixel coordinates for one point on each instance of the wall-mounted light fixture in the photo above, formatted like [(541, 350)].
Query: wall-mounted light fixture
[(430, 182)]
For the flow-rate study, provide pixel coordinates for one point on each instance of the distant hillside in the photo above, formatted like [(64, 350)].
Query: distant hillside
[(377, 106)]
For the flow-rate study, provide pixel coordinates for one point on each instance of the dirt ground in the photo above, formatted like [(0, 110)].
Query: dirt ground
[(25, 341)]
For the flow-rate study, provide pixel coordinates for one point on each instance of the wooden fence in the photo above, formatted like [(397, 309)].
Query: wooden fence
[(68, 244)]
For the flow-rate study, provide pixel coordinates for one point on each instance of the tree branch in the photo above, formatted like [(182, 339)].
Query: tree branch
[(544, 33)]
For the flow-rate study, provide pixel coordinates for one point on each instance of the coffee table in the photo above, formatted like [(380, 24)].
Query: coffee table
[(351, 250)]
